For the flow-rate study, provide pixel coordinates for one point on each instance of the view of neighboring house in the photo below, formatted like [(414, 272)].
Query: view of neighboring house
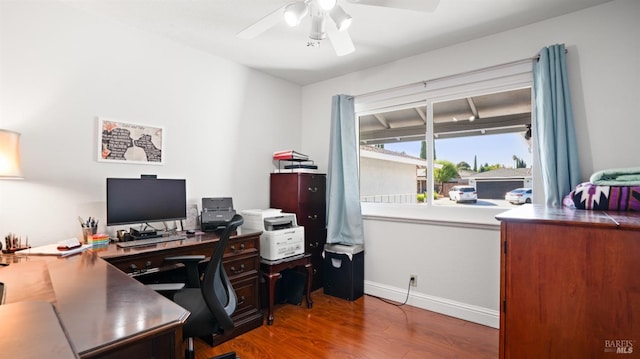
[(388, 176), (392, 177), (495, 183)]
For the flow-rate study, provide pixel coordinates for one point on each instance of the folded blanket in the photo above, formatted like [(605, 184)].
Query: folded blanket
[(605, 198), (617, 177)]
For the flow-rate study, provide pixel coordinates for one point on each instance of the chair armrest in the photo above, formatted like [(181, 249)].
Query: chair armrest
[(166, 287), (191, 264), (186, 259), (168, 290)]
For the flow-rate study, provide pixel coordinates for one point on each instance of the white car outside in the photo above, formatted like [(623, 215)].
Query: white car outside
[(518, 196), (463, 194)]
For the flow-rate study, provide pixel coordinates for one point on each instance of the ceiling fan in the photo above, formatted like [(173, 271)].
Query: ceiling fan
[(328, 19)]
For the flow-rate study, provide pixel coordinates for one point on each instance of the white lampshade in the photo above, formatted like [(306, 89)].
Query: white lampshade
[(295, 12), (327, 5), (9, 155), (341, 18)]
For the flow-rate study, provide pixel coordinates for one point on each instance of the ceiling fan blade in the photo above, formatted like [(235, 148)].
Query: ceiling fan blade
[(263, 24), (340, 40), (415, 5)]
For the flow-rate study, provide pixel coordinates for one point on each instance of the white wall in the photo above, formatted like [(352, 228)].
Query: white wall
[(604, 72), (60, 68)]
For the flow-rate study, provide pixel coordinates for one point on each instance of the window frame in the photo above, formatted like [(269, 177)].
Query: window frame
[(506, 77)]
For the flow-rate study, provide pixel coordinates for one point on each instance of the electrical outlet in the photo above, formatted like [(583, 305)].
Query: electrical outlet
[(413, 278)]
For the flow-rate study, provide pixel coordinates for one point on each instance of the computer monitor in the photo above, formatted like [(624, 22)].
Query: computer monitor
[(143, 200)]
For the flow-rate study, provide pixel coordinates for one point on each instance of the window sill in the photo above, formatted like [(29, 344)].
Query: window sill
[(463, 216)]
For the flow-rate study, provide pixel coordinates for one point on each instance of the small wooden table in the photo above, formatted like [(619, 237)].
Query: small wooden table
[(271, 272)]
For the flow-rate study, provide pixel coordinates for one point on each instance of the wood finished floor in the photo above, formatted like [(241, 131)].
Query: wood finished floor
[(364, 328)]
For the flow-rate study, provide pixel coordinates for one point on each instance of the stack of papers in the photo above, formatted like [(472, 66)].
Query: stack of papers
[(289, 155), (294, 162), (52, 250)]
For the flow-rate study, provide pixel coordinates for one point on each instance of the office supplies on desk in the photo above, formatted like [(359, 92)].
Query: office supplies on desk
[(52, 249), (68, 244), (13, 243), (89, 228)]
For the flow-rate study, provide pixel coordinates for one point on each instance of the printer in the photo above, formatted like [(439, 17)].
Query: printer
[(281, 236)]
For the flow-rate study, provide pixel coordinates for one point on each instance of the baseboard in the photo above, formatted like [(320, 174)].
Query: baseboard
[(464, 311)]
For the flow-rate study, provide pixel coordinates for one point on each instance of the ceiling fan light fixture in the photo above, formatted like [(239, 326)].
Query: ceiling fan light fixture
[(317, 28), (327, 5), (341, 18), (295, 12)]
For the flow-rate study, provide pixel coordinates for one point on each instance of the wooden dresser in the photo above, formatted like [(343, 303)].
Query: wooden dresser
[(305, 195), (241, 262), (569, 283)]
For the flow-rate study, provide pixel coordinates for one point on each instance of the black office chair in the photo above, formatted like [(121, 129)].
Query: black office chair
[(211, 300)]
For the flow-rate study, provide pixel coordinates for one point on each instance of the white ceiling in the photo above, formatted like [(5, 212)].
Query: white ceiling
[(380, 35)]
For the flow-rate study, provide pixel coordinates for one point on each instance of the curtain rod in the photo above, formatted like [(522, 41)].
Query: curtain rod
[(466, 73)]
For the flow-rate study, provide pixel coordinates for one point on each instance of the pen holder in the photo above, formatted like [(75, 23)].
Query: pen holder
[(88, 232)]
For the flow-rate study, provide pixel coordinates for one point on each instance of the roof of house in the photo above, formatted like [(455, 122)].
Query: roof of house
[(384, 154), (388, 152), (500, 173)]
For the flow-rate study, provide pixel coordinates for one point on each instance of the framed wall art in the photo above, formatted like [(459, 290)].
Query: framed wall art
[(124, 142)]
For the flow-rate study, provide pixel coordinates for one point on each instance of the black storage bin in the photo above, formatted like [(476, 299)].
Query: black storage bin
[(344, 270)]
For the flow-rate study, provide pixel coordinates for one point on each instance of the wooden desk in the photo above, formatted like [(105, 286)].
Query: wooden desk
[(569, 283), (241, 261), (271, 272), (105, 313), (24, 323), (105, 309)]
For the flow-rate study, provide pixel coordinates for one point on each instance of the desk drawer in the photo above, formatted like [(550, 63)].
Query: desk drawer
[(153, 261), (239, 267), (239, 246), (247, 294)]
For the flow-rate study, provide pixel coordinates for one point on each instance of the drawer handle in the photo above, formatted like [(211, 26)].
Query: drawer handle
[(314, 217), (236, 271), (314, 189), (233, 247), (241, 300)]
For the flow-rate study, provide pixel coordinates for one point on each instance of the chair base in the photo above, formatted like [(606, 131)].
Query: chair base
[(230, 355), (189, 352)]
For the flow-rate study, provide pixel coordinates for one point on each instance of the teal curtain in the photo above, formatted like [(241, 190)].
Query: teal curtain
[(344, 215), (555, 131)]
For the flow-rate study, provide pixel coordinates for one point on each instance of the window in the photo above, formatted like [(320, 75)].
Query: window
[(415, 148)]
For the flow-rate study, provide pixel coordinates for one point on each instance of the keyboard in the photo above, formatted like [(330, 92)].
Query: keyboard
[(150, 241)]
